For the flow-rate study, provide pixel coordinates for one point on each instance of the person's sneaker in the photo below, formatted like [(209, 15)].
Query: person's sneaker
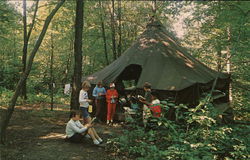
[(100, 140), (96, 142), (87, 136), (107, 122)]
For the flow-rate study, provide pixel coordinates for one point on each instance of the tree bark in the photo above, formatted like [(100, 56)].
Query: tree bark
[(25, 48), (119, 28), (26, 41), (112, 13), (103, 33), (219, 58), (76, 80), (51, 74), (229, 63), (68, 64), (154, 8), (6, 115)]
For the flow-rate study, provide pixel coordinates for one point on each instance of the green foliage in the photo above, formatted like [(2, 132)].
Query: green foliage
[(33, 98), (194, 135), (213, 30), (5, 96)]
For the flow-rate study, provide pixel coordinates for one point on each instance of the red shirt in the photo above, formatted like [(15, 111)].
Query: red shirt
[(110, 93)]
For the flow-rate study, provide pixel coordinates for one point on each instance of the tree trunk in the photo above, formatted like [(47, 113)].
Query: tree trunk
[(103, 33), (154, 8), (219, 68), (26, 41), (25, 48), (76, 80), (228, 63), (119, 28), (112, 13), (51, 74), (68, 63), (6, 115)]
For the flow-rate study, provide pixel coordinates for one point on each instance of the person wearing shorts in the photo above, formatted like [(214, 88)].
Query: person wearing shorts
[(84, 101), (75, 131)]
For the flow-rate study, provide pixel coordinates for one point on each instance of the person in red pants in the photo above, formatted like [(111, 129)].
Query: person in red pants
[(111, 98)]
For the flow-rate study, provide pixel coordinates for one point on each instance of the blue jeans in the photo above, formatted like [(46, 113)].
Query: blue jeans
[(85, 112)]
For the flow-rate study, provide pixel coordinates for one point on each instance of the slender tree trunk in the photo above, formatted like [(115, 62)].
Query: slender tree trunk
[(33, 20), (51, 74), (154, 8), (6, 115), (15, 49), (112, 13), (25, 48), (26, 37), (219, 58), (120, 28), (228, 63), (76, 86), (68, 63), (103, 33)]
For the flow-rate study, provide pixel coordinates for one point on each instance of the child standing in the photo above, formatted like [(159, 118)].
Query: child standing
[(84, 101), (111, 98), (99, 93)]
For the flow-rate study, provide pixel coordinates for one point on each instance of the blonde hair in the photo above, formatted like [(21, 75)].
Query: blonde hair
[(86, 84)]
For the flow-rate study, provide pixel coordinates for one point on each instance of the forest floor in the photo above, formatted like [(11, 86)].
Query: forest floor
[(36, 133)]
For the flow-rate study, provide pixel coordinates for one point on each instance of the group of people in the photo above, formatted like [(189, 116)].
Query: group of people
[(110, 97), (76, 131)]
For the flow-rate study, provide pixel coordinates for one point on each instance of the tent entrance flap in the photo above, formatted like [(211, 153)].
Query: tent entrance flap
[(131, 72)]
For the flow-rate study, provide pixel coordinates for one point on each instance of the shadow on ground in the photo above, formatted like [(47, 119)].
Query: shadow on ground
[(38, 134)]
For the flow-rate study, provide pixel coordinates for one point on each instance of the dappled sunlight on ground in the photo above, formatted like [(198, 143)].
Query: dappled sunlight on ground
[(18, 127), (53, 136), (38, 133)]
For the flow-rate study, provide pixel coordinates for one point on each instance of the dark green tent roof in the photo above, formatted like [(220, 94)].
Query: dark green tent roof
[(164, 63)]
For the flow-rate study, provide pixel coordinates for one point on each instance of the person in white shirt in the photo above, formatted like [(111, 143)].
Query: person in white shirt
[(75, 131), (84, 101)]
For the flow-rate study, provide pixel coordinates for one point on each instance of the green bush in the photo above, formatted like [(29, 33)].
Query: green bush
[(194, 135), (33, 98), (5, 96)]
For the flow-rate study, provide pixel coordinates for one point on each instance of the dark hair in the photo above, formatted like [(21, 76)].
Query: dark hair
[(133, 100), (74, 113), (147, 85), (99, 83), (155, 94)]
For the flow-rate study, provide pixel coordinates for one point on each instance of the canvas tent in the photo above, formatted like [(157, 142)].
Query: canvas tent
[(158, 58)]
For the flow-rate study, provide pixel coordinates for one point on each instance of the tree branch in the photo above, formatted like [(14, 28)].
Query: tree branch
[(33, 21)]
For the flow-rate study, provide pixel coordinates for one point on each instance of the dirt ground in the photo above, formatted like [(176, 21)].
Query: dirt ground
[(36, 133)]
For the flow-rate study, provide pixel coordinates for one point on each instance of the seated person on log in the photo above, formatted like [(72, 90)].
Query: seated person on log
[(76, 132)]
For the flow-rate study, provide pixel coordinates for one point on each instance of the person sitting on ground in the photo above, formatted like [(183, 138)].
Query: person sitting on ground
[(84, 101), (75, 131), (111, 98)]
